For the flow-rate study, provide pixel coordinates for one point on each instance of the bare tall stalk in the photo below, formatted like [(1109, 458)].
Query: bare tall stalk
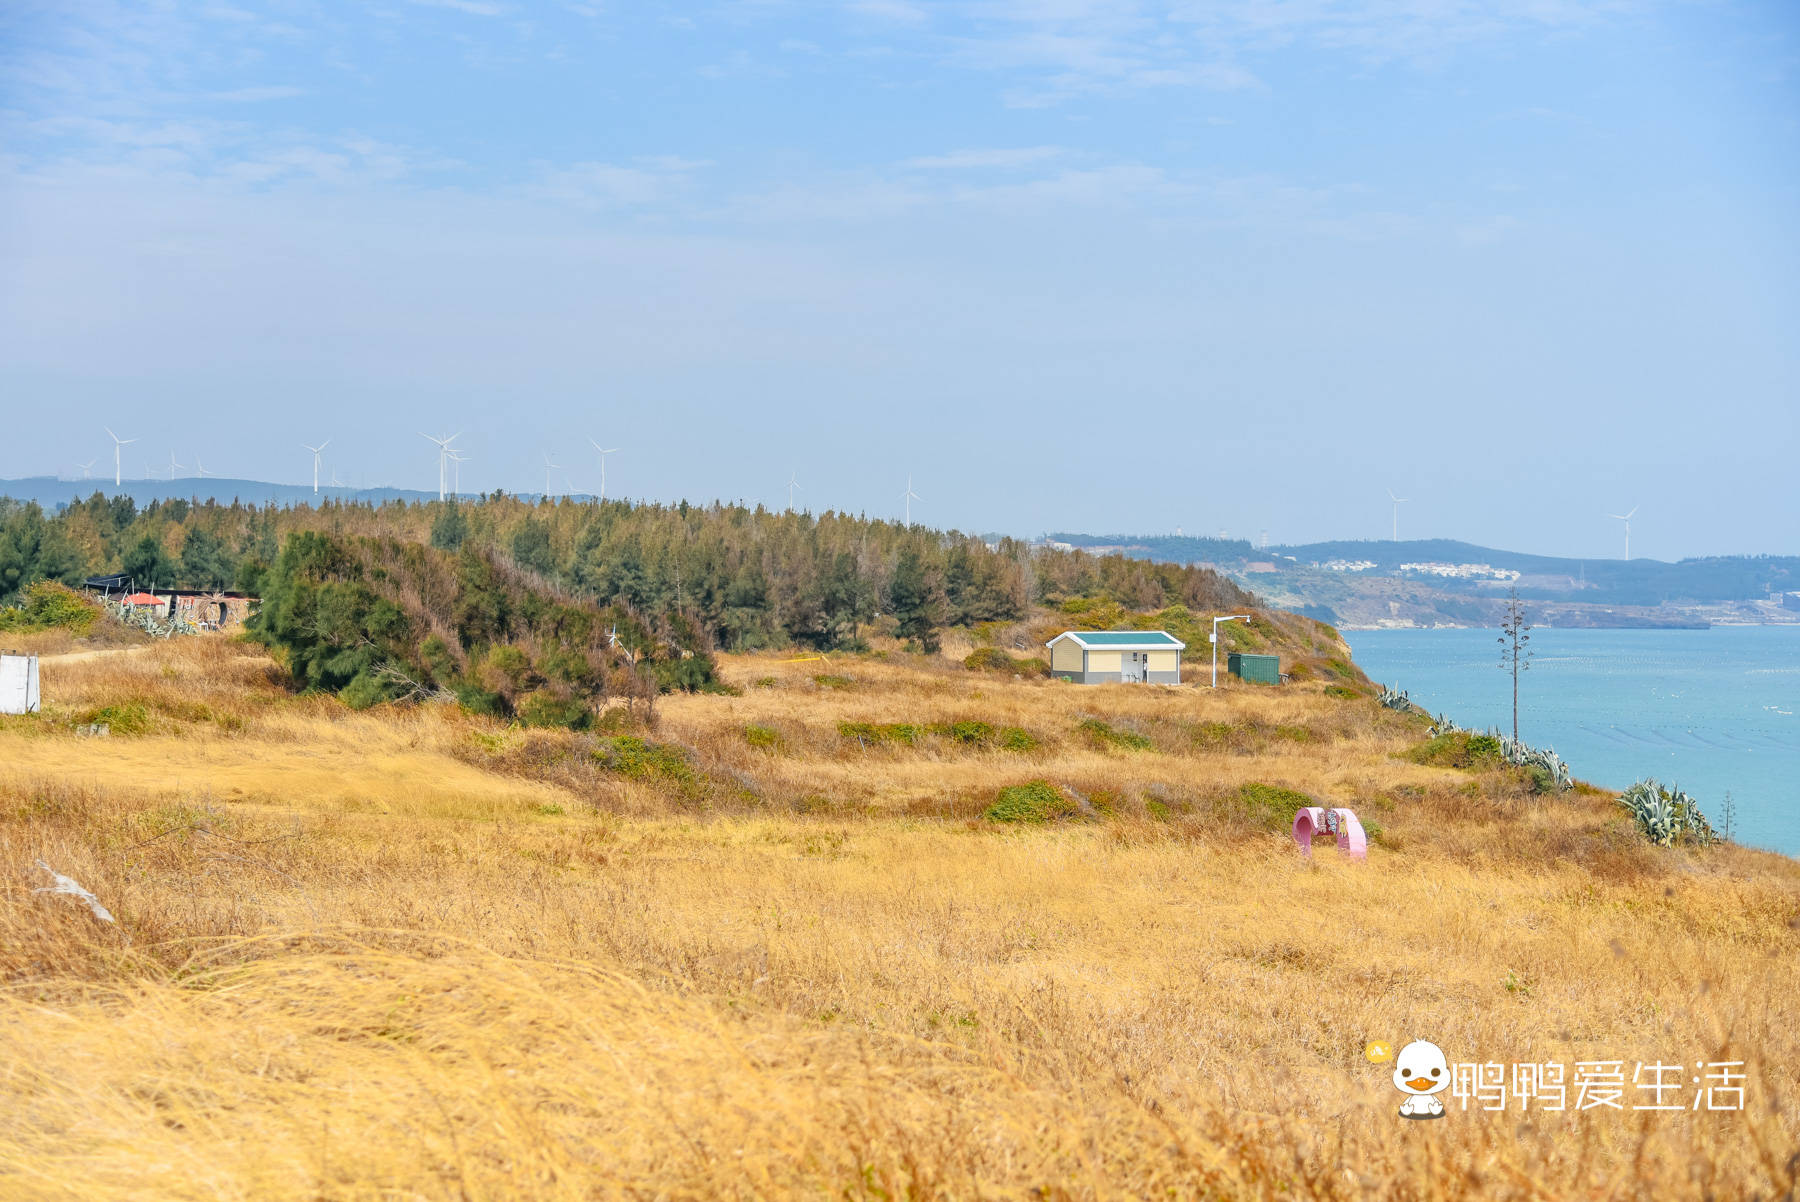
[(1515, 648)]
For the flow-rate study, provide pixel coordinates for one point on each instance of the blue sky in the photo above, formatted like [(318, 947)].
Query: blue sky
[(1100, 265)]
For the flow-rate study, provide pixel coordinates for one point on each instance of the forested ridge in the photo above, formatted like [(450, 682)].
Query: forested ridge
[(745, 578)]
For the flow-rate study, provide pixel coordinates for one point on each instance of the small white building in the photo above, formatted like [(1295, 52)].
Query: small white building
[(18, 683), (1115, 656)]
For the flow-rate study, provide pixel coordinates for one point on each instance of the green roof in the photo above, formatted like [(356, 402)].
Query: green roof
[(1123, 638)]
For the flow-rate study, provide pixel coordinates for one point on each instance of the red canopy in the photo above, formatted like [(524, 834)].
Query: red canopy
[(143, 599)]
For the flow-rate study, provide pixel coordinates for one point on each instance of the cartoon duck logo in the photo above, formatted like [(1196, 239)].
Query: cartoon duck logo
[(1419, 1072)]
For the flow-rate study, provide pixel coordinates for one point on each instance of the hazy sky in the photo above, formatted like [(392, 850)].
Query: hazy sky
[(1097, 265)]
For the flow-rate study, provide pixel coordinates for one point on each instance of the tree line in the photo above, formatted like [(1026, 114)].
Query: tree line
[(744, 578)]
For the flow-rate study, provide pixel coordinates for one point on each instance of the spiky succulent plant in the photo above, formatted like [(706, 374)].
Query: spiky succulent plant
[(1666, 815)]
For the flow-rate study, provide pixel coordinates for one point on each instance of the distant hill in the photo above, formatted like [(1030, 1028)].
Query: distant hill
[(51, 492), (1368, 581)]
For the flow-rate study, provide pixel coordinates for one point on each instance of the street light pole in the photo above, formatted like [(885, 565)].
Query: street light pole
[(1215, 642)]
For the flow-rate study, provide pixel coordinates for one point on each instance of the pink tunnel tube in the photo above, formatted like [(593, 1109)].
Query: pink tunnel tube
[(1311, 820)]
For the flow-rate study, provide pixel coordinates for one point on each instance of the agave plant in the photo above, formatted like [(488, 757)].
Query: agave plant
[(1513, 751), (1666, 815), (145, 620), (1541, 758), (1395, 700)]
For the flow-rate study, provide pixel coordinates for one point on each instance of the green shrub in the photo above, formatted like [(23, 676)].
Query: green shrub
[(615, 720), (1342, 692), (686, 674), (764, 682), (629, 755), (878, 732), (973, 734), (548, 708), (123, 718), (1102, 735), (1484, 747), (1271, 805), (1459, 749), (831, 681), (992, 659), (478, 700), (506, 670), (1214, 736), (437, 657), (570, 666), (363, 691), (765, 738), (47, 605), (1034, 801), (1017, 738)]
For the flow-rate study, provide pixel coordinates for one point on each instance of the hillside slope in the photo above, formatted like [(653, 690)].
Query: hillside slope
[(798, 941)]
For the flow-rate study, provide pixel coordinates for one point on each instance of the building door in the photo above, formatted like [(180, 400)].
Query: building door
[(1134, 667)]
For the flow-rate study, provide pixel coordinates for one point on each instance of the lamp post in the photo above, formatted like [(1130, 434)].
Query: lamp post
[(1215, 641)]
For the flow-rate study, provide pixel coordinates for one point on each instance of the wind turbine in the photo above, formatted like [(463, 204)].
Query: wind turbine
[(1626, 518), (1398, 502), (117, 443), (87, 469), (909, 496), (201, 468), (549, 467), (604, 452), (457, 458), (443, 445), (315, 451), (793, 484), (173, 466)]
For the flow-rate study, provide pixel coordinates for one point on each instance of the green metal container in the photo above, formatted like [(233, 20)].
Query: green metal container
[(1257, 669)]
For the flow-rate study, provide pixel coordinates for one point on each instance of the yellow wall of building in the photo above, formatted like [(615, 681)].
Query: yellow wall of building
[(1164, 661), (1103, 661), (1065, 657)]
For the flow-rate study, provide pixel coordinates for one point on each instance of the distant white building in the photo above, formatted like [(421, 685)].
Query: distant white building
[(1460, 571)]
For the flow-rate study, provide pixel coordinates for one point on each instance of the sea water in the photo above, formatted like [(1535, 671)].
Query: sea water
[(1713, 711)]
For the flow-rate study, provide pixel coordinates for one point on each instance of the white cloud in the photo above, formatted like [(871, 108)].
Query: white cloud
[(898, 12), (474, 8), (958, 160), (645, 184), (256, 95)]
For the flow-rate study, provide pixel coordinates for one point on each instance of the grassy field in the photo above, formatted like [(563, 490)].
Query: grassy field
[(770, 944)]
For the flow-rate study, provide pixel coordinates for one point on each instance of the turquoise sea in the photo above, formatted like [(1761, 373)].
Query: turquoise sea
[(1713, 711)]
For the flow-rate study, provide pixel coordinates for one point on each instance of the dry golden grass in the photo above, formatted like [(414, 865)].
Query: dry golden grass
[(407, 953)]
